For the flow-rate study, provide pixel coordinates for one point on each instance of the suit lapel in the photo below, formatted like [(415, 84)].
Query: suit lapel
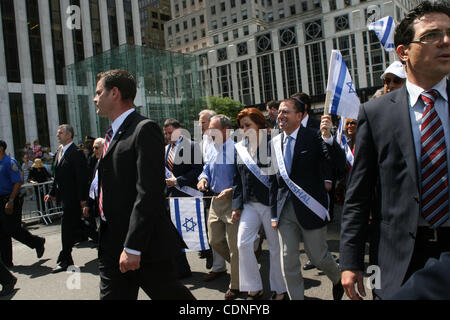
[(299, 142), (401, 123), (122, 129)]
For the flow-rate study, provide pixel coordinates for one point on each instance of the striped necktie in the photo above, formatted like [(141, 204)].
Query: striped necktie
[(434, 168), (170, 157), (108, 138)]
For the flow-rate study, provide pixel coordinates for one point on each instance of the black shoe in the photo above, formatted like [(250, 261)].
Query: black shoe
[(338, 291), (8, 288), (209, 261), (40, 250), (308, 266), (61, 267)]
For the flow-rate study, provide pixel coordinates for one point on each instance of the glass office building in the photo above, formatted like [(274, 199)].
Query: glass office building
[(168, 86)]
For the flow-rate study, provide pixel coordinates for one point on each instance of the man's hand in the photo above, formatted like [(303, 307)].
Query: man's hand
[(325, 126), (348, 279), (129, 262), (48, 198), (202, 185), (275, 225), (171, 182), (328, 186), (236, 215), (225, 194), (86, 212), (9, 208)]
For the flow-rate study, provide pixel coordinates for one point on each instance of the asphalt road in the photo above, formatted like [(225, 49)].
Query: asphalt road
[(36, 282)]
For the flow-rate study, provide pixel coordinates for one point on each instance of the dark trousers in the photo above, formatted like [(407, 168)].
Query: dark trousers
[(11, 226), (158, 279), (6, 276), (70, 224), (425, 249)]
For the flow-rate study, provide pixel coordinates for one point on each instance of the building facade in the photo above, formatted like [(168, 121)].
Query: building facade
[(153, 15), (38, 39), (255, 51)]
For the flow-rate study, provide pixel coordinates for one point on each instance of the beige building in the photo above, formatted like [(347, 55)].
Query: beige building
[(153, 15)]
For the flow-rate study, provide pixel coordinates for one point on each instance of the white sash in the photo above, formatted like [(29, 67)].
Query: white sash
[(301, 194), (186, 189), (250, 163), (93, 190)]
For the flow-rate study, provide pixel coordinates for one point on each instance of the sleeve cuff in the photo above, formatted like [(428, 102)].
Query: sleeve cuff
[(131, 251), (328, 140)]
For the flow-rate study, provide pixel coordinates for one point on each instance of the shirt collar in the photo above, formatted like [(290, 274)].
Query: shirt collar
[(293, 134), (119, 120), (415, 91), (305, 120), (64, 149)]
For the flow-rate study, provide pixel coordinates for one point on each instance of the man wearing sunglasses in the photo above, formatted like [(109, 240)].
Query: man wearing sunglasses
[(401, 168), (394, 77)]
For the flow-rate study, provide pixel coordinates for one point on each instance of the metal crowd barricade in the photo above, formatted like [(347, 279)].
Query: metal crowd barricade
[(35, 207)]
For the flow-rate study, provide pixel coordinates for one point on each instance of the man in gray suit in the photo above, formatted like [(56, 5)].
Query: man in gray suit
[(401, 178)]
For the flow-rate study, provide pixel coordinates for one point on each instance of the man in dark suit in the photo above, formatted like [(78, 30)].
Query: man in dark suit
[(298, 197), (182, 171), (69, 187), (410, 182), (137, 241)]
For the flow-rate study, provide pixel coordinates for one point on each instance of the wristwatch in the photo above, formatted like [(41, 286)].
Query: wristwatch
[(11, 200), (176, 181)]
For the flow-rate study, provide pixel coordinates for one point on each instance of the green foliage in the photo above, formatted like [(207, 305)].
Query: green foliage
[(226, 106)]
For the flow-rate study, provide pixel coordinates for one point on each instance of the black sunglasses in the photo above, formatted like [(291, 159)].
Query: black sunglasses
[(396, 80), (352, 123)]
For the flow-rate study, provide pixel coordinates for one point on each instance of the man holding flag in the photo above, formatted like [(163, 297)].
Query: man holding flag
[(298, 198)]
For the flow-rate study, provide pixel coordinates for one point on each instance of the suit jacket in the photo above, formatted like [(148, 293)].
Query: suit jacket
[(311, 154), (313, 123), (246, 186), (188, 171), (131, 174), (70, 184), (385, 166)]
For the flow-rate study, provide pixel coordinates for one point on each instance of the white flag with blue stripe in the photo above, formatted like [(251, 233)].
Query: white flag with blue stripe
[(340, 137), (188, 216), (384, 29), (341, 97)]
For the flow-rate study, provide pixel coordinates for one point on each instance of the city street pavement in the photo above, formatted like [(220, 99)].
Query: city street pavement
[(36, 282)]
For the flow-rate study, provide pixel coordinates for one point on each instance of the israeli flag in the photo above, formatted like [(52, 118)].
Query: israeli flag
[(341, 98), (188, 216), (343, 142), (384, 29)]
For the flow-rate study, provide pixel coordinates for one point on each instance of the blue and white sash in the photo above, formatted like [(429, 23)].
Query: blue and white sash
[(250, 163), (186, 189), (301, 194), (93, 190)]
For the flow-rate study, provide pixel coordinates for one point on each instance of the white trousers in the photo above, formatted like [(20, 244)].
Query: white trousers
[(253, 215)]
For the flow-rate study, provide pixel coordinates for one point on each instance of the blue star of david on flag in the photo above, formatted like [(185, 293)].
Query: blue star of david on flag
[(189, 224), (350, 87)]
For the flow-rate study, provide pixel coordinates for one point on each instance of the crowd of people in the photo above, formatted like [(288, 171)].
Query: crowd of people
[(275, 177)]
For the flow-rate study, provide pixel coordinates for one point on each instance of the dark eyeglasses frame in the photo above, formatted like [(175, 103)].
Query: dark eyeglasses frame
[(432, 36), (352, 123)]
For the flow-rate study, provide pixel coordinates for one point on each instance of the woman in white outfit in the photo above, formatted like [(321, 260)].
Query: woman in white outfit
[(251, 206)]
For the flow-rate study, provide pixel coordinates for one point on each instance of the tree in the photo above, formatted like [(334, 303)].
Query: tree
[(226, 106)]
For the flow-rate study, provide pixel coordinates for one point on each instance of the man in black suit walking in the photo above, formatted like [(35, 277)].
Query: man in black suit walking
[(70, 187), (137, 241), (402, 157)]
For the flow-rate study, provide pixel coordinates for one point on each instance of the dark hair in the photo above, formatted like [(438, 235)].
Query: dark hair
[(404, 32), (298, 105), (3, 144), (120, 79), (305, 98), (273, 104), (172, 122), (254, 114)]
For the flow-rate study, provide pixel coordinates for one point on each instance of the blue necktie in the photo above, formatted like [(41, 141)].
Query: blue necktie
[(288, 155)]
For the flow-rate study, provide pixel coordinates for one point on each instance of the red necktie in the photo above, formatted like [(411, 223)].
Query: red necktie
[(108, 138), (434, 168)]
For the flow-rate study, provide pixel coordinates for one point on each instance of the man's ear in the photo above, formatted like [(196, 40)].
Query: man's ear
[(402, 52)]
